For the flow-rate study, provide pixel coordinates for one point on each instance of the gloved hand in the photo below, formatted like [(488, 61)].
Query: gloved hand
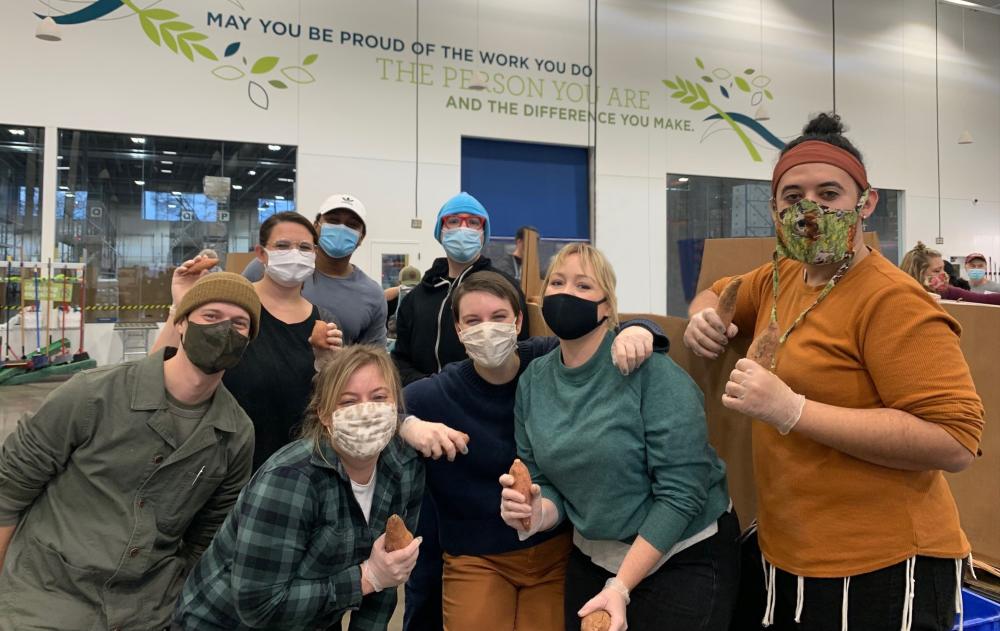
[(514, 507), (389, 569), (613, 600), (631, 347), (705, 335), (761, 394)]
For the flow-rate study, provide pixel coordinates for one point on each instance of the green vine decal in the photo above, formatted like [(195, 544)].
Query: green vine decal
[(178, 36)]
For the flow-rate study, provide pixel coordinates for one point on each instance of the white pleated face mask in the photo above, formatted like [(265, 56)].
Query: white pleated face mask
[(364, 429), (291, 267), (489, 344)]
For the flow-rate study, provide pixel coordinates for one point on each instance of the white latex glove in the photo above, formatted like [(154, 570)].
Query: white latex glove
[(389, 569), (433, 440), (514, 507), (705, 335), (761, 394), (631, 347), (611, 601)]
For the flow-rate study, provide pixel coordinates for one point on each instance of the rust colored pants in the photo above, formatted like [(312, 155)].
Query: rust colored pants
[(514, 591)]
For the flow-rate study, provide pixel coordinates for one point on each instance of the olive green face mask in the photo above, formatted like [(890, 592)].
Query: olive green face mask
[(817, 235), (214, 347)]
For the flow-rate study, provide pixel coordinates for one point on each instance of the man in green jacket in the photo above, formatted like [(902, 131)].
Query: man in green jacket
[(111, 491)]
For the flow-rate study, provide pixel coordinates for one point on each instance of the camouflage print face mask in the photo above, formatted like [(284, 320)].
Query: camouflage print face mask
[(817, 235)]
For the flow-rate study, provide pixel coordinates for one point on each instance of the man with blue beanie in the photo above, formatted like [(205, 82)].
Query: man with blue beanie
[(426, 342)]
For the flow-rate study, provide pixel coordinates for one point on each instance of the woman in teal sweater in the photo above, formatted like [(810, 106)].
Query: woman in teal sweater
[(627, 461)]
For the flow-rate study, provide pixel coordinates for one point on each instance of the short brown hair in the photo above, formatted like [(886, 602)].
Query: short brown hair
[(289, 216), (487, 282), (917, 260), (600, 268), (330, 382)]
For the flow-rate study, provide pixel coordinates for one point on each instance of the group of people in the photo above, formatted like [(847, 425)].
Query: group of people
[(243, 475), (928, 267)]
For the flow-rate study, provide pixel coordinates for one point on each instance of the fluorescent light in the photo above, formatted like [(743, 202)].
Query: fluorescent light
[(62, 168), (251, 173), (279, 197), (63, 188), (166, 162), (16, 132), (973, 6), (140, 182), (177, 193), (139, 140), (286, 179), (171, 205), (70, 195), (237, 187), (165, 171), (274, 147), (170, 153), (682, 179), (59, 157)]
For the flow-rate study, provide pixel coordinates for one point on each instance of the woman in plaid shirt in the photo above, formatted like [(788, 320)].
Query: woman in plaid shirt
[(303, 545)]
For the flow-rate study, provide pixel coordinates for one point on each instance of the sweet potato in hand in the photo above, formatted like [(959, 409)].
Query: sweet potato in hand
[(397, 536), (596, 621), (765, 346), (522, 484), (727, 301), (200, 266), (318, 336)]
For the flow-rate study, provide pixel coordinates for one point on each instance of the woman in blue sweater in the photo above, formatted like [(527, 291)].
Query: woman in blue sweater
[(627, 463), (490, 576)]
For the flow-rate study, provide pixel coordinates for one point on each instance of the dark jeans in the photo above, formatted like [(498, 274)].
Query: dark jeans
[(875, 599), (695, 590), (422, 609)]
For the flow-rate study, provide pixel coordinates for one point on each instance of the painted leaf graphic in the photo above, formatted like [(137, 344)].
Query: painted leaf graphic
[(756, 98), (702, 93), (298, 74), (195, 37), (748, 71), (281, 85), (706, 78), (309, 59), (176, 26), (159, 14), (689, 99), (761, 81), (264, 64), (678, 94), (699, 106), (149, 29), (670, 84), (168, 39), (204, 52), (258, 95), (690, 87), (724, 91), (699, 62), (231, 49), (185, 49), (228, 73), (767, 93), (721, 73), (742, 84)]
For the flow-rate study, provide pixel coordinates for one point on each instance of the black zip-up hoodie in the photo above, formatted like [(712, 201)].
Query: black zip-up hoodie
[(425, 329)]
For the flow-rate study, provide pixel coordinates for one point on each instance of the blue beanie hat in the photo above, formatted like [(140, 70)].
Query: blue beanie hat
[(463, 203)]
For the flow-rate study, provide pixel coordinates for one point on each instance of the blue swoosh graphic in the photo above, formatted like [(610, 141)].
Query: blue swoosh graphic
[(762, 131), (89, 13)]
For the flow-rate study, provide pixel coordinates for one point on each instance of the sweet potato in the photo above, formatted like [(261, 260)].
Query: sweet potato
[(318, 337), (522, 484), (397, 536), (727, 301), (765, 346), (597, 621), (202, 265)]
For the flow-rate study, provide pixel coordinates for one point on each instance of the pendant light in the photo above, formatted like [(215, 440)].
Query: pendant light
[(479, 82), (965, 138), (762, 114), (47, 30)]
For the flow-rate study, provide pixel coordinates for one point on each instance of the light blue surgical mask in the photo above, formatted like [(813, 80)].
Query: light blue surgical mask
[(462, 244), (977, 274), (338, 240)]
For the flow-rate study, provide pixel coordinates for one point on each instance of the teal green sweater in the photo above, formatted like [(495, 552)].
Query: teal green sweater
[(620, 456)]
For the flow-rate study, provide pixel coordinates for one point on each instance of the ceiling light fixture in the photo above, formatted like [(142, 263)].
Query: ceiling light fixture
[(166, 162), (16, 132), (62, 168), (48, 31), (279, 197), (965, 138), (63, 188), (237, 187), (170, 153), (165, 171), (274, 147), (139, 140), (177, 193), (286, 179), (682, 179), (251, 173), (140, 182)]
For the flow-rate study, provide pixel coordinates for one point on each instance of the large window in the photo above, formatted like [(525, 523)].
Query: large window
[(135, 206), (700, 208), (21, 192)]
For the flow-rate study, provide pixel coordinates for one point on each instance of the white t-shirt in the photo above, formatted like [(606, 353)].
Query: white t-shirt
[(364, 493)]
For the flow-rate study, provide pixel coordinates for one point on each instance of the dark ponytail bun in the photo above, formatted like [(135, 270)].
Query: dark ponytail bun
[(826, 127)]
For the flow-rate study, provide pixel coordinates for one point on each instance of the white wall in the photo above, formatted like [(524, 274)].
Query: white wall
[(357, 132)]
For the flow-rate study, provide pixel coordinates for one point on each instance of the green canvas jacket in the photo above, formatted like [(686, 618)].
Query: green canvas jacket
[(111, 510)]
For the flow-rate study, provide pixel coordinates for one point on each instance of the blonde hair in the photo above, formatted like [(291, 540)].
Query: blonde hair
[(330, 382), (918, 260), (596, 265)]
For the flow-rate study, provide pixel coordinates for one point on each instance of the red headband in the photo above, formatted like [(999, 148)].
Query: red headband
[(823, 152)]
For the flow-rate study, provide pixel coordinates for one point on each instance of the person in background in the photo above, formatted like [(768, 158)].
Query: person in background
[(409, 277), (489, 574), (851, 430), (510, 264), (626, 461), (927, 267), (274, 380), (117, 484), (953, 278), (305, 543), (975, 267), (337, 286), (426, 342)]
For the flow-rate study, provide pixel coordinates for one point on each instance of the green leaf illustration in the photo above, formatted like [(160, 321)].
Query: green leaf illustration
[(204, 52), (298, 74), (748, 71), (158, 14), (742, 84), (678, 94), (700, 106), (185, 49), (281, 85), (690, 87), (670, 84), (195, 37), (706, 78), (702, 93), (699, 62), (689, 99), (761, 81), (309, 59), (767, 93), (176, 26), (168, 39), (228, 73), (264, 64), (149, 29)]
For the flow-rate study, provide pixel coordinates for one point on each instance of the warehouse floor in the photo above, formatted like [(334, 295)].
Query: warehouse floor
[(17, 400)]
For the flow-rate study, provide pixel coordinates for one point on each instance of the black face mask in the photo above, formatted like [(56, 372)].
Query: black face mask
[(571, 317), (214, 347)]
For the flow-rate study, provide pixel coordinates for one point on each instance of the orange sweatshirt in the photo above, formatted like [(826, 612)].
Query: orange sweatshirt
[(878, 340)]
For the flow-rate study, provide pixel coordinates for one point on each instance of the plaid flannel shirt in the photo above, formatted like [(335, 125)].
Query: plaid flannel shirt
[(288, 556)]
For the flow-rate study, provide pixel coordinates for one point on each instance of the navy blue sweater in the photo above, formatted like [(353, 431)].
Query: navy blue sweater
[(466, 492)]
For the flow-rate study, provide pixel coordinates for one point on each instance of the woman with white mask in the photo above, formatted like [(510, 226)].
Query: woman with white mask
[(272, 382), (490, 576), (305, 542)]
